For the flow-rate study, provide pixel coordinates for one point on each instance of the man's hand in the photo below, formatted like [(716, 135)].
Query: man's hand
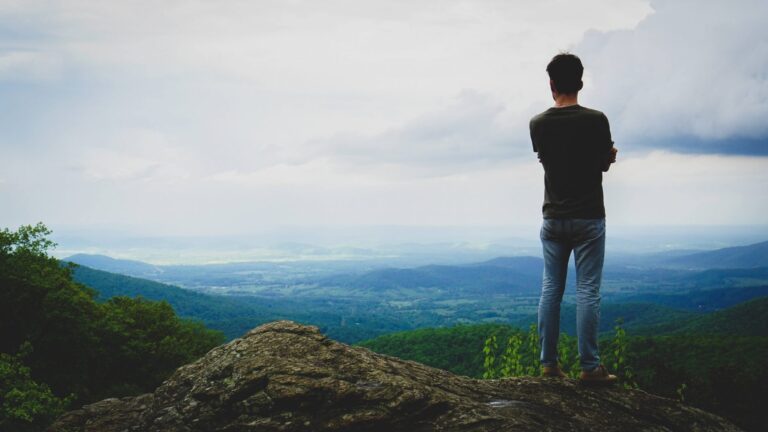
[(611, 158)]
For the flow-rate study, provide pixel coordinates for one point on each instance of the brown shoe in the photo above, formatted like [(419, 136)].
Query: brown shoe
[(553, 372), (598, 375)]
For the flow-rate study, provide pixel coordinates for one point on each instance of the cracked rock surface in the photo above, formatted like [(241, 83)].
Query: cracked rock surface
[(283, 376)]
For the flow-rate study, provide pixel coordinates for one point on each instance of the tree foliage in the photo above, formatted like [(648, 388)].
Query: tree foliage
[(57, 341), (721, 373), (458, 349), (25, 405)]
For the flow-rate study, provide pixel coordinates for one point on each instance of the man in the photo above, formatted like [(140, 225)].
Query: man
[(574, 146)]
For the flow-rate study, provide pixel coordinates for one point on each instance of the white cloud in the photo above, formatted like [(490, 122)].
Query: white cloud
[(677, 189), (28, 66), (318, 171), (194, 117), (691, 69), (471, 130), (134, 154)]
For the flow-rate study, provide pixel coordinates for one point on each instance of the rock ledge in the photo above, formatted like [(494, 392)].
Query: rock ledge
[(283, 376)]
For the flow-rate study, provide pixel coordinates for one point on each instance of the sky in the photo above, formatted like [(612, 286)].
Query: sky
[(231, 117)]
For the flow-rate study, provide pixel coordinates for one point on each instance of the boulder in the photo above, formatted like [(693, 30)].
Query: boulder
[(284, 376)]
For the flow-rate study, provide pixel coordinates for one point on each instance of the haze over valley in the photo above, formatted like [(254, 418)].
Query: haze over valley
[(359, 298)]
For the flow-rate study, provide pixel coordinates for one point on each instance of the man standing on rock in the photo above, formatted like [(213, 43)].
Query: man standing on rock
[(574, 145)]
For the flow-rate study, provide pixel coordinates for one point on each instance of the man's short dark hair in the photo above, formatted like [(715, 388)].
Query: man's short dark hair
[(565, 70)]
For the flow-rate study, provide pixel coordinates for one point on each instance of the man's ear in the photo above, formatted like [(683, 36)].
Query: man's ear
[(581, 85), (552, 86)]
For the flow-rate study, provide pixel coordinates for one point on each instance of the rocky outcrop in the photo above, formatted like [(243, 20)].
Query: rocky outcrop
[(283, 376)]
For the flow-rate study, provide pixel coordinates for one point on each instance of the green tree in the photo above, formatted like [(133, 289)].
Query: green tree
[(619, 348), (568, 355), (25, 405), (512, 359), (520, 355), (534, 350), (40, 304), (81, 348), (146, 342), (489, 363)]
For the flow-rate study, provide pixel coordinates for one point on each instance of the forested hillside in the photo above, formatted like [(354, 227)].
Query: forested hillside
[(750, 256), (508, 275), (707, 300), (59, 348), (745, 319), (344, 320), (219, 312), (352, 321), (633, 314), (715, 361), (71, 334)]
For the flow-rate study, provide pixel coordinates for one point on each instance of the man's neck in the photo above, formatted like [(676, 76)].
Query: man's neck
[(564, 100)]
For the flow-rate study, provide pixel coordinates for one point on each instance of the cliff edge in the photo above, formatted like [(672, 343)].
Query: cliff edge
[(283, 376)]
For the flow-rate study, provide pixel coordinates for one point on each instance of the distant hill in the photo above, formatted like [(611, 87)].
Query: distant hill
[(750, 256), (235, 315), (518, 263), (721, 277), (109, 285), (214, 311), (669, 273), (744, 319), (114, 265), (229, 276), (506, 275), (633, 315), (706, 300)]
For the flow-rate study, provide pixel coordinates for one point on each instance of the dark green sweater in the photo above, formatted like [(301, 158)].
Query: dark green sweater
[(574, 145)]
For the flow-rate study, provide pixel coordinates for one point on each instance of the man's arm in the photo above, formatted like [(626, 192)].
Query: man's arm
[(533, 140), (607, 143), (611, 159)]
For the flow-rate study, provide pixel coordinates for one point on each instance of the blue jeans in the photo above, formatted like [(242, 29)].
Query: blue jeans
[(586, 238)]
